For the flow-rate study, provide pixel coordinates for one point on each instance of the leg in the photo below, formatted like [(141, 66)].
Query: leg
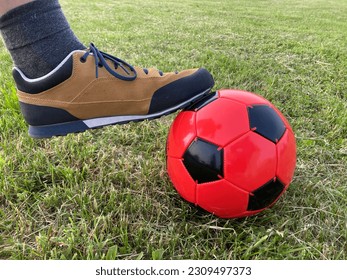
[(63, 87), (7, 5), (37, 35)]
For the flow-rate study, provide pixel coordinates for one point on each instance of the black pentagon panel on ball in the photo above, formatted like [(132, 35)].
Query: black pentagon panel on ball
[(265, 121), (204, 161), (265, 195), (196, 106)]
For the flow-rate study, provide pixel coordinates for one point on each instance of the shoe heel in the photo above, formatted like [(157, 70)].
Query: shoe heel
[(45, 122), (62, 129)]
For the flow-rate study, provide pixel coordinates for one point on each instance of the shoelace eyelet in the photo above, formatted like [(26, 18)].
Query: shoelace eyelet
[(100, 61)]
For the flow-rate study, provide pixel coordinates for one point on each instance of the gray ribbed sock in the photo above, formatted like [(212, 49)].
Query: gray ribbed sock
[(38, 36)]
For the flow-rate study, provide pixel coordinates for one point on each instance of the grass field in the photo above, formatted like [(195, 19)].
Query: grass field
[(105, 194)]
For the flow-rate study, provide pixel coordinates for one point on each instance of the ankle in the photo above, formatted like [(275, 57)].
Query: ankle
[(38, 37)]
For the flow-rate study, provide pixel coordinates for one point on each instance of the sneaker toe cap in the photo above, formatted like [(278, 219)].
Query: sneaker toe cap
[(182, 90)]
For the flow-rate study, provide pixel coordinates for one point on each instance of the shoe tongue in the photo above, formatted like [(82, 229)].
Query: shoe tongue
[(115, 66), (123, 70)]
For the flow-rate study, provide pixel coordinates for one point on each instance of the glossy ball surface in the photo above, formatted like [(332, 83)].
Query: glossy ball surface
[(232, 153)]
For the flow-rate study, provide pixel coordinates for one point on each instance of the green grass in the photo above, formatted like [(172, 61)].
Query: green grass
[(105, 194)]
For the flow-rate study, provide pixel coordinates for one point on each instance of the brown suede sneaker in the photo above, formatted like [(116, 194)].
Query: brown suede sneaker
[(91, 89)]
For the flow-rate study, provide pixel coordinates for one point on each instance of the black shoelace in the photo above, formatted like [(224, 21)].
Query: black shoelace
[(100, 61)]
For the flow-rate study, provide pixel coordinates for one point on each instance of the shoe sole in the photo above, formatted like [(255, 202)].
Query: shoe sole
[(62, 129)]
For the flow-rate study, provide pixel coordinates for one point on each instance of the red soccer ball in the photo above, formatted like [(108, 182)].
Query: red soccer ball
[(232, 153)]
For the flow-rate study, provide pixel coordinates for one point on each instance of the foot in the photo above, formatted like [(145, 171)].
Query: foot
[(91, 89)]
